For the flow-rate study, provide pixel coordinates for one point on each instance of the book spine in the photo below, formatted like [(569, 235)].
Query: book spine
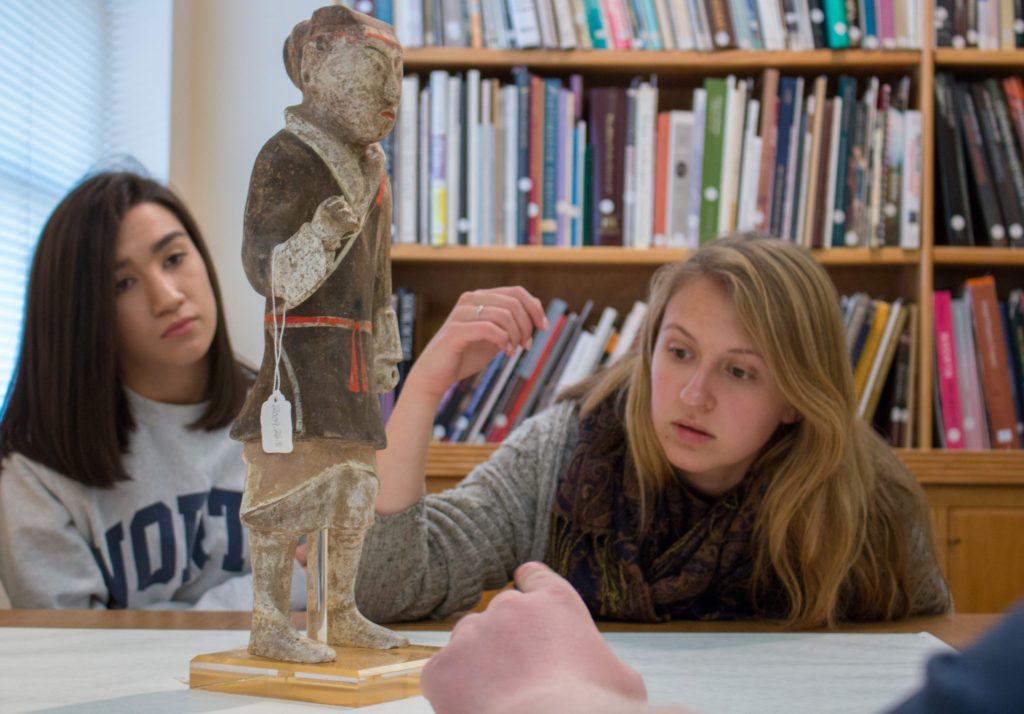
[(607, 107), (720, 24), (993, 367), (1012, 192), (910, 194), (548, 223), (784, 134), (957, 227), (1000, 162), (711, 174), (984, 190), (946, 371)]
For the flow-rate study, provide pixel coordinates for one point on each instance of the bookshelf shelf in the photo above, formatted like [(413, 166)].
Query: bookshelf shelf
[(598, 255), (951, 255), (949, 58), (932, 467), (674, 63)]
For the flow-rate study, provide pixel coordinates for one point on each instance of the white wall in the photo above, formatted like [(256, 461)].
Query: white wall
[(228, 96)]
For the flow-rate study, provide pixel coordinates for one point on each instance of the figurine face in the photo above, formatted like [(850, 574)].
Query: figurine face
[(354, 85), (166, 310)]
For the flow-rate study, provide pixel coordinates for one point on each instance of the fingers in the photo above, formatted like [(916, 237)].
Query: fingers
[(514, 309), (534, 576)]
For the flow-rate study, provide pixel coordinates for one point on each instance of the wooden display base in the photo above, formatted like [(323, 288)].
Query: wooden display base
[(358, 677)]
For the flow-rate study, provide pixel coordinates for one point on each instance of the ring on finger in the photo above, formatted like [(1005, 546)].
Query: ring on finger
[(479, 309)]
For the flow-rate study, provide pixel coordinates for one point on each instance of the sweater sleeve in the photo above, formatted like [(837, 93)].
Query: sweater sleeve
[(45, 562), (439, 555), (985, 678)]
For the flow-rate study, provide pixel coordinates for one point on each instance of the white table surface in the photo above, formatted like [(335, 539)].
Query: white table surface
[(112, 671)]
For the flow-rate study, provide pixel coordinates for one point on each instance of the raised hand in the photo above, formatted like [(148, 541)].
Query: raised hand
[(482, 323)]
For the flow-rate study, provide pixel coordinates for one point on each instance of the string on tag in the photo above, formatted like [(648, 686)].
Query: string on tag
[(278, 336), (276, 412)]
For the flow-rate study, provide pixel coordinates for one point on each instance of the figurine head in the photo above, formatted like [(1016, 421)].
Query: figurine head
[(349, 69)]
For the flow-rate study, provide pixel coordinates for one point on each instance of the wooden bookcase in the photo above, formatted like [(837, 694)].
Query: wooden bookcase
[(977, 498)]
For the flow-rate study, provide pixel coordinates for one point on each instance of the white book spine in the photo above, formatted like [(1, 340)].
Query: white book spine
[(750, 164), (524, 23), (546, 20), (700, 101), (409, 25), (643, 192), (564, 24), (699, 20), (567, 168), (454, 160), (407, 168), (772, 29), (438, 157), (574, 371), (482, 226), (681, 24), (664, 29), (678, 191), (733, 137), (748, 195), (602, 333), (423, 185), (473, 165), (910, 194), (630, 327)]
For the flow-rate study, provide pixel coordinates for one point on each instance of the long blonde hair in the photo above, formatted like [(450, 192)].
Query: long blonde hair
[(826, 532)]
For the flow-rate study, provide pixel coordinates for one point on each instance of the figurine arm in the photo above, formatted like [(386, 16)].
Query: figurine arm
[(387, 345), (300, 264)]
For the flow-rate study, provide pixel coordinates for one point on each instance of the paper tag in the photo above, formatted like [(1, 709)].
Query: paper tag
[(276, 424)]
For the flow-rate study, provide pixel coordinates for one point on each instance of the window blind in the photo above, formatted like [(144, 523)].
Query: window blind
[(70, 76)]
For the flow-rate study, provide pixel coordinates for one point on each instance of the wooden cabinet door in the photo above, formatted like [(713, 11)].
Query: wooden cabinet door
[(985, 557)]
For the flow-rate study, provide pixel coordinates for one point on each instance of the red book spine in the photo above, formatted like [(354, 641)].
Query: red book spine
[(948, 377)]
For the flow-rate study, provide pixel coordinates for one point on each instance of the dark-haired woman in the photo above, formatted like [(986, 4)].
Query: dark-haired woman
[(119, 485)]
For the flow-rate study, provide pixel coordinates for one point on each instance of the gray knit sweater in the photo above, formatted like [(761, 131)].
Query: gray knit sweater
[(437, 556)]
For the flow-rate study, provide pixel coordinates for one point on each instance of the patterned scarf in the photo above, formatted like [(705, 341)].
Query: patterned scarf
[(693, 562)]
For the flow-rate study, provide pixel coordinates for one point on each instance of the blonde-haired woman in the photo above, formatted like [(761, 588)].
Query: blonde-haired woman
[(718, 471)]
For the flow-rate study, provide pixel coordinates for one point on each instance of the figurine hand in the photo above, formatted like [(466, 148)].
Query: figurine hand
[(335, 220), (385, 378), (482, 323), (533, 649)]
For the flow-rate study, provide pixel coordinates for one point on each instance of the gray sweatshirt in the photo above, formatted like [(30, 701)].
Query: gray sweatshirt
[(169, 538), (439, 555)]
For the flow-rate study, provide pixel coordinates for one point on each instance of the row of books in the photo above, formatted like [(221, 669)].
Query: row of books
[(985, 24), (979, 147), (487, 406), (479, 163), (979, 346), (881, 339), (702, 25)]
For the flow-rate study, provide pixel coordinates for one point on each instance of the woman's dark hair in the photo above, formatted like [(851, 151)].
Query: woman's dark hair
[(66, 407)]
